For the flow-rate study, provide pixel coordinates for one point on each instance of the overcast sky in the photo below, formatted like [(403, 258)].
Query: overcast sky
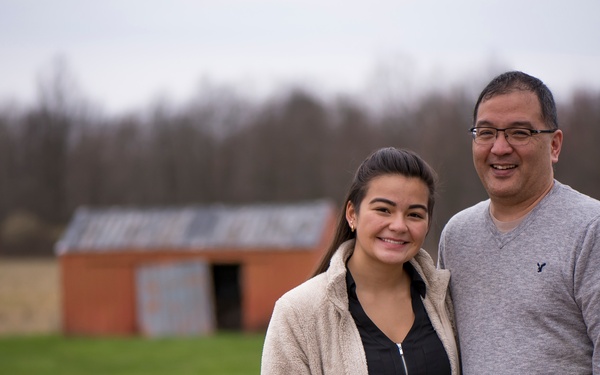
[(124, 53)]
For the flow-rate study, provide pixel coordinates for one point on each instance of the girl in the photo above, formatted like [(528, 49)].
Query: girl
[(376, 304)]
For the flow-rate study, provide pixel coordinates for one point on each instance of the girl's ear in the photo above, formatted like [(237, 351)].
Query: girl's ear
[(351, 215)]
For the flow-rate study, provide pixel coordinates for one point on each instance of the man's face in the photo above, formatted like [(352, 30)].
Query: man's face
[(513, 175)]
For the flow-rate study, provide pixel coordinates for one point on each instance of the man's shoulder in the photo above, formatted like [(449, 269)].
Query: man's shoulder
[(576, 194), (468, 214), (571, 199)]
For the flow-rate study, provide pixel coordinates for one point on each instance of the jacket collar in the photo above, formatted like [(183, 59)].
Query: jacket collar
[(436, 281), (336, 275)]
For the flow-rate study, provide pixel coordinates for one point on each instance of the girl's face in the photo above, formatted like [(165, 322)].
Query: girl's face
[(392, 220)]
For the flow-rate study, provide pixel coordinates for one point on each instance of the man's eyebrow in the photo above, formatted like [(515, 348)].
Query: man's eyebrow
[(483, 123), (515, 124), (522, 124)]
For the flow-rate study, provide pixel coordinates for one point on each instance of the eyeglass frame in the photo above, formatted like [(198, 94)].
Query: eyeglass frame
[(532, 132)]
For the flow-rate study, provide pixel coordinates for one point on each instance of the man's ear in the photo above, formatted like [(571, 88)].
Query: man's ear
[(556, 145)]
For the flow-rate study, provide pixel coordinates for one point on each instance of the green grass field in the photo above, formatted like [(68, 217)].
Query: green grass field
[(224, 353)]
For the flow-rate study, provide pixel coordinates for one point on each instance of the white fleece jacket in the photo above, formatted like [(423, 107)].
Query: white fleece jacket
[(312, 331)]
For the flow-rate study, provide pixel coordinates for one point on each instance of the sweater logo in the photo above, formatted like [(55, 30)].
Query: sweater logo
[(541, 266)]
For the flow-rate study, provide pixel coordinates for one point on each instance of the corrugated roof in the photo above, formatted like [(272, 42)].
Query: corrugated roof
[(276, 226)]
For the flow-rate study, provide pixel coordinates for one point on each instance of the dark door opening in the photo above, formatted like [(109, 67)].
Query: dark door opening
[(228, 301)]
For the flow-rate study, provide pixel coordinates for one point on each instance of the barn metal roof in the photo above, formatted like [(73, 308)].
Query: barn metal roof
[(274, 226)]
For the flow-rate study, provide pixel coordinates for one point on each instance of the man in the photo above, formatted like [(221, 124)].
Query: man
[(525, 263)]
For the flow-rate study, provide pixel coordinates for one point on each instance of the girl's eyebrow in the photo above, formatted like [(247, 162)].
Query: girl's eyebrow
[(392, 203), (421, 206), (383, 200)]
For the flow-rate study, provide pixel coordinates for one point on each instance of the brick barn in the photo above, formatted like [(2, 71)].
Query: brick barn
[(186, 271)]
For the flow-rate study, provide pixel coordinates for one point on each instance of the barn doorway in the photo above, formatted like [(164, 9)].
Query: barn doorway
[(228, 301)]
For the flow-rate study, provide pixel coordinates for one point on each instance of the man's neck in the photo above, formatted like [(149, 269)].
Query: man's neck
[(514, 212)]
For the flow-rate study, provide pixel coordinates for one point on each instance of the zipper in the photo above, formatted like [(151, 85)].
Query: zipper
[(402, 357)]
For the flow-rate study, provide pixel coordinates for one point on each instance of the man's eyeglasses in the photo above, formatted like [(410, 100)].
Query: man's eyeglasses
[(485, 135)]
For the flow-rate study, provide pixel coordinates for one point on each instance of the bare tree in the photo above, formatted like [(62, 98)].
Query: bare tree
[(220, 147), (578, 163)]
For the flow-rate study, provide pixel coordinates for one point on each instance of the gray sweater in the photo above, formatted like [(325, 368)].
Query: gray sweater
[(527, 301), (312, 331)]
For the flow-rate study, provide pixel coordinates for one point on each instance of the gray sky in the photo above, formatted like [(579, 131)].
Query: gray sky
[(123, 54)]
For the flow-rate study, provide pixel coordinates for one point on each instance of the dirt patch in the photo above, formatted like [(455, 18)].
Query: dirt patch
[(30, 298)]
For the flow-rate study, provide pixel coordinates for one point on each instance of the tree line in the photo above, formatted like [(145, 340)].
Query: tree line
[(59, 154)]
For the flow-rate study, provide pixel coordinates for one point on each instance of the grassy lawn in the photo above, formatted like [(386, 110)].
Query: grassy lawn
[(225, 353)]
